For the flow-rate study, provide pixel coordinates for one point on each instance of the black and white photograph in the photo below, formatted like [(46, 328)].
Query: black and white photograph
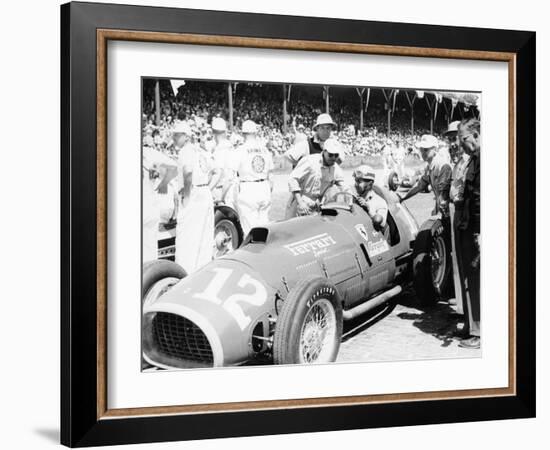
[(287, 223)]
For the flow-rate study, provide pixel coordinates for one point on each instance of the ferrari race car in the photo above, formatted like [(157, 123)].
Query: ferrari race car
[(285, 293)]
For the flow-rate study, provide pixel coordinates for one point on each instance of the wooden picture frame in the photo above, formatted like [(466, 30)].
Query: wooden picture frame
[(85, 417)]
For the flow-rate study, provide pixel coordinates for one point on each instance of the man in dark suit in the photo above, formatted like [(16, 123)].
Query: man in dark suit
[(468, 237)]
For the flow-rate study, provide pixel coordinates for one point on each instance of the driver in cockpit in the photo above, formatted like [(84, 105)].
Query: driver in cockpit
[(375, 206)]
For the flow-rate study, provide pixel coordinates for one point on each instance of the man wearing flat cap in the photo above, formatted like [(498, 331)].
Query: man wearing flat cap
[(437, 174), (311, 178), (375, 206), (313, 145)]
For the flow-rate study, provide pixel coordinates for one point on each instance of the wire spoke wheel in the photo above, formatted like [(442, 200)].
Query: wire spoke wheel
[(318, 334)]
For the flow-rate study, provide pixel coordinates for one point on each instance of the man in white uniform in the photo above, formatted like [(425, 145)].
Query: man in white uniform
[(311, 178), (254, 167), (197, 177), (151, 216), (224, 158), (375, 206)]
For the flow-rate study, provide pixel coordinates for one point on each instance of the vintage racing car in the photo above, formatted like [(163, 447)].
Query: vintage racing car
[(285, 293)]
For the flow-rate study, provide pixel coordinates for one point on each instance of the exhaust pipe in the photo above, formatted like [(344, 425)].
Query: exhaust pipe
[(371, 304)]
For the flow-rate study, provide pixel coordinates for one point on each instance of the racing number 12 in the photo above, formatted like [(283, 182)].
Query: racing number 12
[(231, 305)]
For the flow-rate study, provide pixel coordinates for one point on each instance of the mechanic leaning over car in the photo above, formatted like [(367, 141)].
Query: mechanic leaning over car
[(197, 178), (310, 146), (310, 179), (254, 165), (375, 206), (468, 238), (224, 157), (437, 174)]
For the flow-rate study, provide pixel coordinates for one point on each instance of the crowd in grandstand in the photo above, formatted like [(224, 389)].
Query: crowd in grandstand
[(200, 102)]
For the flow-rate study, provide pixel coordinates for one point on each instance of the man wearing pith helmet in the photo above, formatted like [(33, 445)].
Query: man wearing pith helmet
[(375, 206), (324, 125)]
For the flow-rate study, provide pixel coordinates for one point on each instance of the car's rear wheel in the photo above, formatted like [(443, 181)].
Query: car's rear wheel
[(432, 263), (309, 327), (226, 237), (158, 277), (393, 181)]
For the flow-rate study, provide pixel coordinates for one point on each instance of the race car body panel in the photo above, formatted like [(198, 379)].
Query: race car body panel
[(228, 296)]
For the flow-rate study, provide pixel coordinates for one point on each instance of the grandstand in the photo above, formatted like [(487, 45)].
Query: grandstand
[(365, 117)]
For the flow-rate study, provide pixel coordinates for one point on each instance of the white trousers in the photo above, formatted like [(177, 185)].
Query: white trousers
[(195, 230), (253, 203)]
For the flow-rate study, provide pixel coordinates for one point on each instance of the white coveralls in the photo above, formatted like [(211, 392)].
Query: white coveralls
[(151, 218), (254, 165), (195, 222), (312, 178), (225, 159)]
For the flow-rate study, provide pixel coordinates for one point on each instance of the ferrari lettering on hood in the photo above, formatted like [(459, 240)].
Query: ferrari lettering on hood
[(315, 244)]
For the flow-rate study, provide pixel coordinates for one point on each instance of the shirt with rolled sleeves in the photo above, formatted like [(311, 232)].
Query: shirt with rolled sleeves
[(312, 177), (376, 205), (438, 176), (456, 192)]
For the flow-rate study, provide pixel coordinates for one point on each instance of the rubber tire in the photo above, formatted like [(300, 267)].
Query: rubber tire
[(238, 233), (427, 291), (220, 214), (392, 184), (154, 271), (293, 312)]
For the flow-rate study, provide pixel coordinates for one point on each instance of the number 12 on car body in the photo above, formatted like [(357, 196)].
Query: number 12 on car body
[(232, 304)]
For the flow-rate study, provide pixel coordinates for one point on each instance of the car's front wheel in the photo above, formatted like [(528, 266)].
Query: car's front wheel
[(309, 326), (432, 263), (158, 277)]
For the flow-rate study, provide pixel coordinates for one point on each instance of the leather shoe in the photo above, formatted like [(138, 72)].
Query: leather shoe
[(471, 342)]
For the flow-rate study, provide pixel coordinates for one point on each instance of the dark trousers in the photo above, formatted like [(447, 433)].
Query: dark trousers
[(468, 261)]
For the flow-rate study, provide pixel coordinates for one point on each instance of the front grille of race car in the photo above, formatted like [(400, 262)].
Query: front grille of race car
[(177, 338)]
